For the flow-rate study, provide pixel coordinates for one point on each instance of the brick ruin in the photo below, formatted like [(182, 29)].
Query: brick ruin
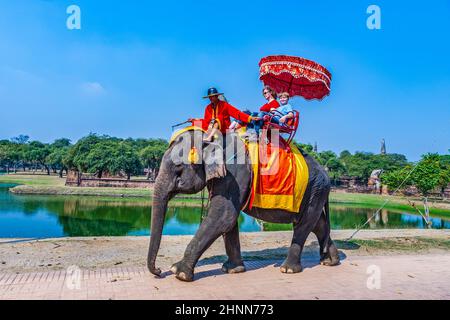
[(77, 179)]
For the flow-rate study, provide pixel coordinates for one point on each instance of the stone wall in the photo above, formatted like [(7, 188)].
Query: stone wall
[(75, 179), (116, 183), (447, 192)]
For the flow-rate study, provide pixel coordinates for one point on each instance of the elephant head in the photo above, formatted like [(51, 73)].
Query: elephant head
[(186, 167)]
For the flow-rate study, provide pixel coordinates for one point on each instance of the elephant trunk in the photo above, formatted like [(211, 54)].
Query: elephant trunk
[(159, 208)]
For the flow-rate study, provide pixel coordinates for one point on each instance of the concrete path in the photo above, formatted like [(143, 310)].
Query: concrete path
[(363, 277)]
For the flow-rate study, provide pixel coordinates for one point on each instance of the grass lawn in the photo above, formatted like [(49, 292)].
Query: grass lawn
[(438, 209), (53, 185), (395, 244), (33, 180)]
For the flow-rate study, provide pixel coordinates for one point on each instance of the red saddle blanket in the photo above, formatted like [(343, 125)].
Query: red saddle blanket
[(280, 176)]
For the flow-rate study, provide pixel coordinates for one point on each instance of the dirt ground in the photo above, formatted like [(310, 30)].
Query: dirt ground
[(21, 255), (413, 264)]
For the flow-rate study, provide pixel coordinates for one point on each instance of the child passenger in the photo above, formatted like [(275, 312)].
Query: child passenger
[(285, 109)]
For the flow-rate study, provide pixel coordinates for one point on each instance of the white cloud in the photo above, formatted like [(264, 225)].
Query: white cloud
[(92, 88), (20, 75)]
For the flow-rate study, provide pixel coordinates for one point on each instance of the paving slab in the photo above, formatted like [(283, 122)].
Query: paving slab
[(400, 277)]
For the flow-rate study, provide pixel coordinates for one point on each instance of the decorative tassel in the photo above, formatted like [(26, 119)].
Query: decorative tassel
[(193, 156)]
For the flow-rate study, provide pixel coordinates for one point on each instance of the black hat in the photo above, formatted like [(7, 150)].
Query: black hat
[(212, 92)]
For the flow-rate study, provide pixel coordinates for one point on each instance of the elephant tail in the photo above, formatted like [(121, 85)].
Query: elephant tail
[(326, 210)]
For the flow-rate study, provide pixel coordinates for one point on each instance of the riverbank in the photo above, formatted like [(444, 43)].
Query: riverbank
[(53, 185)]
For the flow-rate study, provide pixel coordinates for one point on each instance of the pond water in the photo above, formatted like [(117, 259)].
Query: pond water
[(54, 216)]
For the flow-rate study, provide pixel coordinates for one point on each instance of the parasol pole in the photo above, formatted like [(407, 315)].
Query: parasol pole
[(290, 84)]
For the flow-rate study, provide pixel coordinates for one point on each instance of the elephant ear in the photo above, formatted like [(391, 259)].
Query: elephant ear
[(213, 158)]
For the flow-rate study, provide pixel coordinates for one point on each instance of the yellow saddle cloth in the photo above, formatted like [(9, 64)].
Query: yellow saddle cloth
[(280, 176)]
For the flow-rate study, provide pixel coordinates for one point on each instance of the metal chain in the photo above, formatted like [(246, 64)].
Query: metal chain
[(384, 204), (418, 210)]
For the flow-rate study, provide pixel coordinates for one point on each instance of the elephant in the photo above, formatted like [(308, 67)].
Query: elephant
[(229, 187)]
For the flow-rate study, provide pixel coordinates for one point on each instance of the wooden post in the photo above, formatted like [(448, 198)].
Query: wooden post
[(427, 212)]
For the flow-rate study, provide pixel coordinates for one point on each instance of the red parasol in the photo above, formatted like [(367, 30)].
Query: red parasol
[(298, 76)]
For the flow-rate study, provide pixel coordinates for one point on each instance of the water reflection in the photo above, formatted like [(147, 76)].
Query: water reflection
[(54, 216), (351, 216)]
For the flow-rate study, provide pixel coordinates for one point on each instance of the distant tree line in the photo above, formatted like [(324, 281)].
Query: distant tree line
[(358, 165), (430, 173), (94, 154), (102, 155)]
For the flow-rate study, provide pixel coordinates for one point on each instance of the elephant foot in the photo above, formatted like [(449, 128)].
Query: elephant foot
[(182, 271), (330, 261), (230, 267), (289, 267), (331, 258)]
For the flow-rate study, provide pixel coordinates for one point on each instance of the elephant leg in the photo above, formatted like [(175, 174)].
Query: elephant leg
[(302, 229), (234, 264), (328, 252), (221, 218)]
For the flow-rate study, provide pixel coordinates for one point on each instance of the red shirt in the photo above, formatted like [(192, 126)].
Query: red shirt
[(272, 104), (222, 113)]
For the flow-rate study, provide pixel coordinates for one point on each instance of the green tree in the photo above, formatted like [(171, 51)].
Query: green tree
[(427, 175), (100, 154), (358, 165), (59, 150), (100, 158), (397, 178), (151, 156), (4, 155), (335, 168), (76, 158), (331, 163), (36, 152), (388, 162), (361, 164), (21, 139), (306, 147), (345, 154), (126, 159), (61, 143), (11, 154), (444, 179)]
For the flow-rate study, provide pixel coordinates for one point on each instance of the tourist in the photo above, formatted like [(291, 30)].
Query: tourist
[(218, 113), (285, 109), (271, 96)]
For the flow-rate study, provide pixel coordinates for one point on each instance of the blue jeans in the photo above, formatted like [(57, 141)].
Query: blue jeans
[(257, 125)]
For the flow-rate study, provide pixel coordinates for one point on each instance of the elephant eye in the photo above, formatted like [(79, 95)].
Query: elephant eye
[(178, 169)]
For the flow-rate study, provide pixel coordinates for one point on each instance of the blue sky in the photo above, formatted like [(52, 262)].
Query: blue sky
[(137, 67)]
